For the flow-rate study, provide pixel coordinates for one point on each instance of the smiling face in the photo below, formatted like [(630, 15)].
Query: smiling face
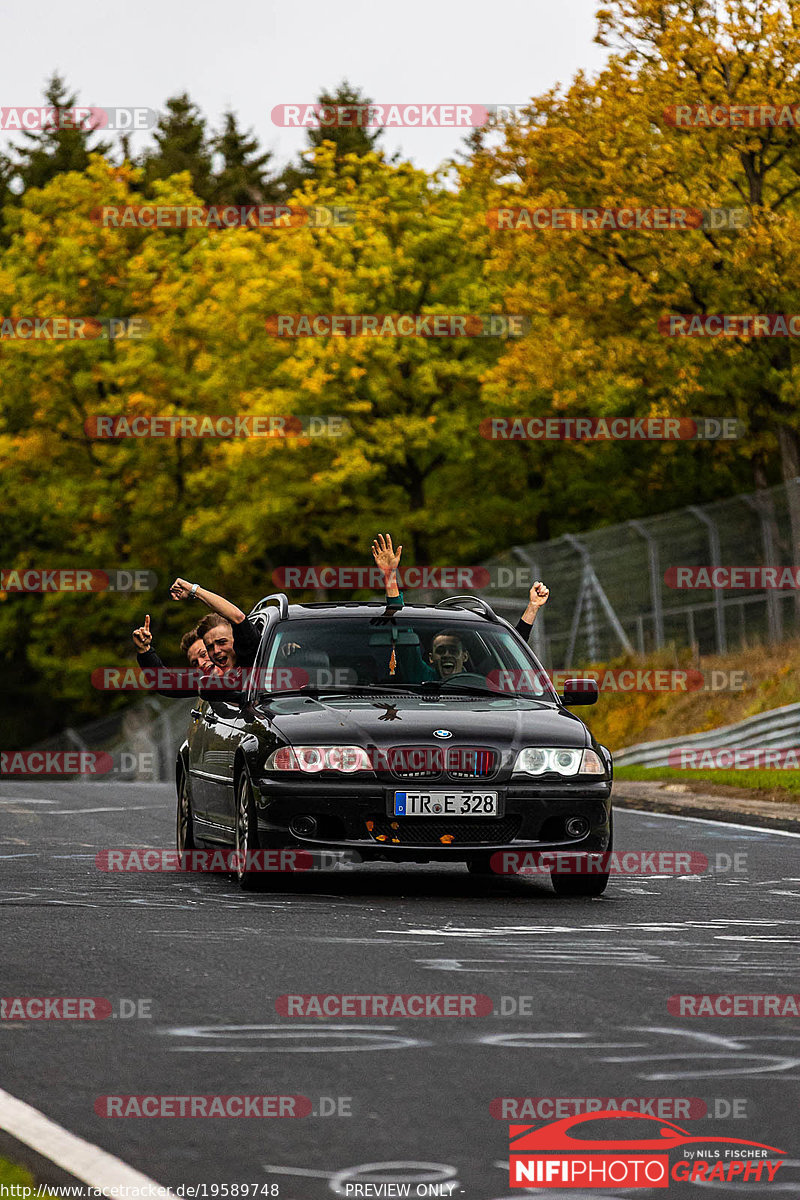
[(198, 657), (448, 655), (219, 645)]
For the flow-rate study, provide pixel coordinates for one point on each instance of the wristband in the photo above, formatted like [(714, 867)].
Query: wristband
[(193, 589)]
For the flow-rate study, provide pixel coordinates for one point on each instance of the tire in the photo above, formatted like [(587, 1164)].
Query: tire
[(584, 885), (246, 835), (184, 821)]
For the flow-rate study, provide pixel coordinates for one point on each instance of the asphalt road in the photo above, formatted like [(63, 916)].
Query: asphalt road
[(211, 962)]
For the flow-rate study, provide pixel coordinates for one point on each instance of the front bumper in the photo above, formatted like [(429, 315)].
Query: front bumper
[(358, 816)]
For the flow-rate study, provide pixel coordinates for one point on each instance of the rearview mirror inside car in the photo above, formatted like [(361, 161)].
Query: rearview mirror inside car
[(402, 637), (579, 691)]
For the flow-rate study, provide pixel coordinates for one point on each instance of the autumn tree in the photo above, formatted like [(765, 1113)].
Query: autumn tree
[(181, 144), (243, 176), (353, 138), (60, 145), (596, 296)]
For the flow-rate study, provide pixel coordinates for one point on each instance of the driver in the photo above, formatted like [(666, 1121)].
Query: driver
[(448, 656)]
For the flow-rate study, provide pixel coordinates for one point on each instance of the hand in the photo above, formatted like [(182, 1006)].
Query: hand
[(290, 648), (538, 595), (142, 637), (180, 590), (386, 558)]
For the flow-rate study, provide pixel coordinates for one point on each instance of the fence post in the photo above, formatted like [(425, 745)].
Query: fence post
[(761, 504), (591, 587), (654, 566), (714, 548)]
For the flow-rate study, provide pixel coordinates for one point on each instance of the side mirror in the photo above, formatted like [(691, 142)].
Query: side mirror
[(579, 691)]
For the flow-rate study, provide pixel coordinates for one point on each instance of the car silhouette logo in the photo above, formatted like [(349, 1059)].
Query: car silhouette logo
[(556, 1135), (442, 733), (555, 1156)]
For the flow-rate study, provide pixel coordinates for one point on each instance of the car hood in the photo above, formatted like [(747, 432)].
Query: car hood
[(397, 720)]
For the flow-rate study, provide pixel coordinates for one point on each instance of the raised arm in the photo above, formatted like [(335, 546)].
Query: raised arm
[(537, 598), (387, 559), (182, 590)]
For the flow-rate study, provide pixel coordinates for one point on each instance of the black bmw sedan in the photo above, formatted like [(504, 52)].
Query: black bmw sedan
[(408, 733)]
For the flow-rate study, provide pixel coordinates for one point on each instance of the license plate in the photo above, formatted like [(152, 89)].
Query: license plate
[(445, 804)]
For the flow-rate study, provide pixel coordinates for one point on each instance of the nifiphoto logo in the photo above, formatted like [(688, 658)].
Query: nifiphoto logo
[(623, 1150)]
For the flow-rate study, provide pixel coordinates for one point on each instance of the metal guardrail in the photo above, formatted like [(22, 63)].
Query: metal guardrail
[(142, 739), (609, 589), (777, 727)]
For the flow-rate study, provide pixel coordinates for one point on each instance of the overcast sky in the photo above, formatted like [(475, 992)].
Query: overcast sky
[(251, 55)]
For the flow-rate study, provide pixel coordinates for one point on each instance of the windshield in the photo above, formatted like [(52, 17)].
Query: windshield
[(408, 652)]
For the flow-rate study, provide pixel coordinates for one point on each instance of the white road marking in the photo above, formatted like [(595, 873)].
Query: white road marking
[(72, 812), (81, 1159), (299, 1039), (643, 812), (24, 800)]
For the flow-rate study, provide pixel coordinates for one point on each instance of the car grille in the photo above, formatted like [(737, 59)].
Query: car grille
[(441, 762), (406, 831)]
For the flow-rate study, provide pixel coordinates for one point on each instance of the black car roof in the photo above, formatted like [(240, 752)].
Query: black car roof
[(471, 608), (351, 608)]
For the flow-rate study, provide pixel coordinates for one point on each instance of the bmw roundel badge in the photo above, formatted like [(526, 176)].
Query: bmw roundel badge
[(442, 733)]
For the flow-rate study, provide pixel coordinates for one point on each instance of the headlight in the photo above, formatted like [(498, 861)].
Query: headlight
[(562, 762), (310, 760)]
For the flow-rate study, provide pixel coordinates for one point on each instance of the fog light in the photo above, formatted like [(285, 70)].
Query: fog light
[(303, 826), (577, 827)]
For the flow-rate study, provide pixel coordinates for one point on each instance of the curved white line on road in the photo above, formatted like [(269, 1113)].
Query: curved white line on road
[(643, 812), (80, 1159)]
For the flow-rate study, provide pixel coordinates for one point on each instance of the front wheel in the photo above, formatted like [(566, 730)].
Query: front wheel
[(584, 885), (246, 836), (184, 826)]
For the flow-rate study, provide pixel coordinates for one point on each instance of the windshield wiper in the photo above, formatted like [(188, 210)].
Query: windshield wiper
[(356, 689), (407, 689), (436, 687), (305, 691)]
